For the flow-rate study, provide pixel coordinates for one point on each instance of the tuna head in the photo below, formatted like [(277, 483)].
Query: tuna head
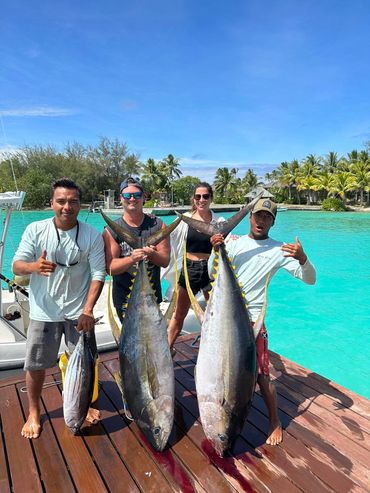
[(156, 421), (220, 426)]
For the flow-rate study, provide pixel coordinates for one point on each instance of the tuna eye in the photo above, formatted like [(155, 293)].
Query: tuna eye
[(157, 430), (223, 438)]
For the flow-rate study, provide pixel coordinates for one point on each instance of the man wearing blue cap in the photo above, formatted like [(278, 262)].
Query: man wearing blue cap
[(121, 258)]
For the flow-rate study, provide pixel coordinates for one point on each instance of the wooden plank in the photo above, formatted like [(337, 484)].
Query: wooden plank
[(307, 429), (348, 421), (106, 456), (182, 358), (52, 468), (309, 469), (19, 450), (4, 479), (344, 421), (84, 474), (244, 460), (344, 397)]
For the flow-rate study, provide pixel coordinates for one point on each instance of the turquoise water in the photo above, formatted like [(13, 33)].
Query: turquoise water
[(325, 327)]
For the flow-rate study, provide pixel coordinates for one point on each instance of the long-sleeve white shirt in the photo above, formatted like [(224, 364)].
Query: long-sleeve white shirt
[(254, 260)]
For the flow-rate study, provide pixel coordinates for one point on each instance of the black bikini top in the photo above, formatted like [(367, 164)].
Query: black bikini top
[(197, 242)]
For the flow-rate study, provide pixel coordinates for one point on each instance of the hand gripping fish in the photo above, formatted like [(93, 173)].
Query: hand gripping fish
[(146, 365), (78, 385), (226, 366)]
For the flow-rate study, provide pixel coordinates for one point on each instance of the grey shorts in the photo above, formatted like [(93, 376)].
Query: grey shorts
[(43, 341)]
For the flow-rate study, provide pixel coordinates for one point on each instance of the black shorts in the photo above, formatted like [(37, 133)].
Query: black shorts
[(198, 275)]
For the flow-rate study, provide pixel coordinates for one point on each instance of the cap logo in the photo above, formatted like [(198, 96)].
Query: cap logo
[(267, 204)]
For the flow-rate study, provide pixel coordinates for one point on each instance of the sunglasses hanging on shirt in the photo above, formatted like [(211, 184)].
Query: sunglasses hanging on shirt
[(71, 264)]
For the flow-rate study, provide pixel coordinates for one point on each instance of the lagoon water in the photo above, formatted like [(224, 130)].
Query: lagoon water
[(325, 327)]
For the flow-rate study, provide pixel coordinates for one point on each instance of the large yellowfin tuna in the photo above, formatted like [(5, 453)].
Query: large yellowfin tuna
[(226, 366), (146, 365), (78, 385)]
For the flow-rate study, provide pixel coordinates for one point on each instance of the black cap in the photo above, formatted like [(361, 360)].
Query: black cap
[(130, 181)]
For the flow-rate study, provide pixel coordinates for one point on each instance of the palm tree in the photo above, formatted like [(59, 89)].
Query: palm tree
[(343, 182), (325, 182), (307, 172), (132, 165), (360, 171), (331, 162), (225, 181), (152, 176)]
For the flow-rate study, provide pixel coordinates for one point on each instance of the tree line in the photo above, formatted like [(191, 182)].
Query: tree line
[(104, 166)]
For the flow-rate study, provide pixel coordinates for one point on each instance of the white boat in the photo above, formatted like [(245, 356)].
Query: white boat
[(14, 306)]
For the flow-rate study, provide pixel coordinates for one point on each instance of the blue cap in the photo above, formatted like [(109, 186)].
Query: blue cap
[(130, 182)]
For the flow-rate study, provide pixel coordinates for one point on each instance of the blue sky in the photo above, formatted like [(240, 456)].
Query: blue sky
[(215, 83)]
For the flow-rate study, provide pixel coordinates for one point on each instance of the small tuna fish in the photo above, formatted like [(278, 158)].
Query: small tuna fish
[(79, 381)]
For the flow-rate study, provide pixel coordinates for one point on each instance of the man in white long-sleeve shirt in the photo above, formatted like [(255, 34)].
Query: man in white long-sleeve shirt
[(257, 257)]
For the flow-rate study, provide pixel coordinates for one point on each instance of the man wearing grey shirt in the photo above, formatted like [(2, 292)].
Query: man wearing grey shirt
[(66, 264)]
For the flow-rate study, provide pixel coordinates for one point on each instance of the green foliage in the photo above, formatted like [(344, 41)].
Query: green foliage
[(183, 189), (332, 204)]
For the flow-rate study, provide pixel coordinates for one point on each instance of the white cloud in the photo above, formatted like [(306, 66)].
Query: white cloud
[(48, 111)]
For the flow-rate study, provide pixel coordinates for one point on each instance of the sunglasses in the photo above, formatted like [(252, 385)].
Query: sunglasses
[(198, 196), (135, 195)]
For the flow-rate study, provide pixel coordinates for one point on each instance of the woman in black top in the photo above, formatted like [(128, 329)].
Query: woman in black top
[(198, 250)]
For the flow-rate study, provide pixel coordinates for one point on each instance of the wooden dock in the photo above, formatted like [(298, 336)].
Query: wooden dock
[(326, 445)]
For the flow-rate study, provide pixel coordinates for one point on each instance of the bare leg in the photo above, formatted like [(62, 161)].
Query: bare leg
[(177, 321), (275, 433), (34, 382)]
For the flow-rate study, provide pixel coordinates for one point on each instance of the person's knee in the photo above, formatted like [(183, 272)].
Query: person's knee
[(264, 381)]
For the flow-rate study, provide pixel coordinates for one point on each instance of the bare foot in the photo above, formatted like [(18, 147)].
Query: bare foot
[(275, 435), (93, 415), (32, 427)]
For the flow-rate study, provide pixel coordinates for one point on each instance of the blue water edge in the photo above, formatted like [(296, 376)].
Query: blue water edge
[(326, 327)]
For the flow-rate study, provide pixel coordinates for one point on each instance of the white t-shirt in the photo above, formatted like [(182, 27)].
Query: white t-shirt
[(62, 294), (254, 260)]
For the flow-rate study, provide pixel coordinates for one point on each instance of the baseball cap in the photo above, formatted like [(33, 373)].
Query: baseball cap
[(130, 182), (265, 205)]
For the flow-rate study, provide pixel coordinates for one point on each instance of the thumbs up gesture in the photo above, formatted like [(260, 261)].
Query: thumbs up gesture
[(42, 266)]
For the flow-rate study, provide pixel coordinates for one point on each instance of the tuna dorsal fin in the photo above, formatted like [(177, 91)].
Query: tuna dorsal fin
[(122, 233), (159, 235)]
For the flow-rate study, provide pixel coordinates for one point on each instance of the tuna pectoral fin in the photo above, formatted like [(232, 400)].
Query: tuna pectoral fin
[(118, 379), (194, 303)]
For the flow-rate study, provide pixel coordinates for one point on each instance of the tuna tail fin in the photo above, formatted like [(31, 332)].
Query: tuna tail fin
[(226, 226), (116, 332), (194, 303), (206, 228), (161, 234), (122, 233)]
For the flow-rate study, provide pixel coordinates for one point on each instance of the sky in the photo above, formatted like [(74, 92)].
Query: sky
[(237, 83)]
